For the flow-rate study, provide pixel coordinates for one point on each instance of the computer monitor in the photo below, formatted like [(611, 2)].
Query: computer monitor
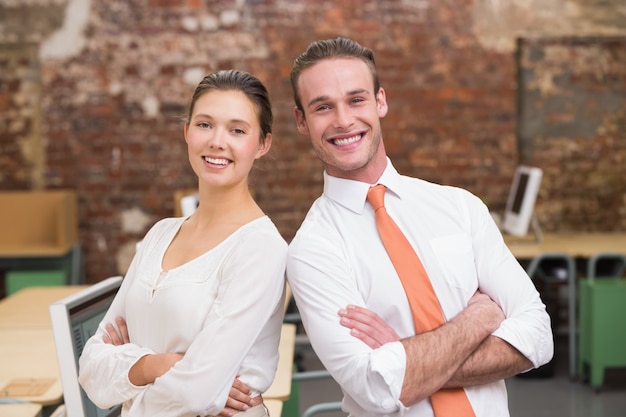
[(74, 320), (520, 205)]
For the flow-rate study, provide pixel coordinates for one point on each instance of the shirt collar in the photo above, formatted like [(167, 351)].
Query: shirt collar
[(353, 194)]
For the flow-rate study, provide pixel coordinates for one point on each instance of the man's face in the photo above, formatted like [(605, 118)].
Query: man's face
[(342, 117)]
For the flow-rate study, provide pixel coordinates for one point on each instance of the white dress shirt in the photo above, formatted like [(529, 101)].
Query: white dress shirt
[(223, 310), (337, 258)]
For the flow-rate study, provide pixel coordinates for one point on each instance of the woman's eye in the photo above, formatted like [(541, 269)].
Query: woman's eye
[(239, 131), (203, 125)]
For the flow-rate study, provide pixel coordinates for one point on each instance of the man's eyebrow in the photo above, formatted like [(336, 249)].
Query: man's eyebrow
[(354, 92), (316, 100), (358, 91)]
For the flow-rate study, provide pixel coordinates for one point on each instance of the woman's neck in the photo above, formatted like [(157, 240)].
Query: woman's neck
[(235, 205)]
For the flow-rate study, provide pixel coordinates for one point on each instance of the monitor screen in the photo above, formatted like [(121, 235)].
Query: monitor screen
[(521, 200), (74, 320), (520, 191)]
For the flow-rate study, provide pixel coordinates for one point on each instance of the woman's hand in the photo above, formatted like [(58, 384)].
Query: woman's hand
[(239, 399)]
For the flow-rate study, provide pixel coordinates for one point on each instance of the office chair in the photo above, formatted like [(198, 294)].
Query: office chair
[(548, 271), (318, 408), (606, 265)]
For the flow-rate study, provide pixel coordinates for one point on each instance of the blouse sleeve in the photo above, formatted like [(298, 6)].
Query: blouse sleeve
[(251, 290), (103, 368)]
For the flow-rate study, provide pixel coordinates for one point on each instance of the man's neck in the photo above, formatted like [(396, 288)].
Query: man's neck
[(369, 174)]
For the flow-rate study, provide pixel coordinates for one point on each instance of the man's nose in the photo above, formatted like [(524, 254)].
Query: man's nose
[(343, 117)]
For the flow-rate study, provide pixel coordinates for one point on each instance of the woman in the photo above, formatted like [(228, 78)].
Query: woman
[(203, 296)]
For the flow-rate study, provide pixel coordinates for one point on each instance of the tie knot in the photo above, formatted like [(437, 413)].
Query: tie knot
[(376, 196)]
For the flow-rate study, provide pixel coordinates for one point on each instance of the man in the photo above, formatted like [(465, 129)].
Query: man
[(352, 301)]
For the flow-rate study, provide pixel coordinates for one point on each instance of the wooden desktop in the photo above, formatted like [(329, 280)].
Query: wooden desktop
[(28, 363), (20, 410), (576, 245)]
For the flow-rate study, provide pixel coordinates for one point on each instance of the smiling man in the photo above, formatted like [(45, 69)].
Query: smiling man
[(361, 312)]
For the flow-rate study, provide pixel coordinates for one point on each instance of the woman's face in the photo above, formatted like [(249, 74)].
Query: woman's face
[(223, 138)]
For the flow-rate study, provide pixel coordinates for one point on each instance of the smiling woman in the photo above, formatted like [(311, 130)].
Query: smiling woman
[(188, 284), (224, 138)]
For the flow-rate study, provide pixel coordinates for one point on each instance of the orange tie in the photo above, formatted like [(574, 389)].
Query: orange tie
[(427, 314)]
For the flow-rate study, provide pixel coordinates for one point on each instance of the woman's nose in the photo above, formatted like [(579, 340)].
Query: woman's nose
[(216, 139)]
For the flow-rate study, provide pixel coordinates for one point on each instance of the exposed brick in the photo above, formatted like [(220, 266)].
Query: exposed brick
[(108, 120)]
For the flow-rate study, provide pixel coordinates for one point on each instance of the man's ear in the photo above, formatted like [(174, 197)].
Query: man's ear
[(381, 103), (300, 121), (264, 147)]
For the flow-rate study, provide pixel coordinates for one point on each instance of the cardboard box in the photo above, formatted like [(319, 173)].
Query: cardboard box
[(38, 223)]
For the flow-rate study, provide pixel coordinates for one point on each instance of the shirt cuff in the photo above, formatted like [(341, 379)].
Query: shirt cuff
[(389, 361), (535, 347)]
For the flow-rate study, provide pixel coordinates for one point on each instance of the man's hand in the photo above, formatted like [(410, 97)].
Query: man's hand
[(239, 399), (367, 326), (435, 357), (493, 314)]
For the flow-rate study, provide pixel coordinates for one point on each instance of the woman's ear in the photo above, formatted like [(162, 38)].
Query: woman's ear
[(300, 121), (185, 129), (264, 147)]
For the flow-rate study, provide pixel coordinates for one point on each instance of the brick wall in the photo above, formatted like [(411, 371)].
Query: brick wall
[(112, 80), (573, 125), (20, 142)]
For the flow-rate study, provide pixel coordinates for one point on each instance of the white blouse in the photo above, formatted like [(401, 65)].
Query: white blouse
[(223, 310)]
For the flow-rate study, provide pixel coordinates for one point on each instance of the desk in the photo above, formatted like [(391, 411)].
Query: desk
[(574, 245), (29, 307), (41, 258), (275, 407), (27, 349), (20, 410), (281, 387), (40, 231)]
